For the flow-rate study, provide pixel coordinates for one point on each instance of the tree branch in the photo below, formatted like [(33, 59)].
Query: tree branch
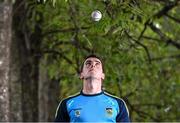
[(173, 18), (151, 38), (145, 27), (73, 12), (165, 9), (58, 53), (167, 57), (162, 12), (149, 104), (166, 39), (138, 111), (142, 45), (17, 6), (64, 30), (61, 55), (60, 42), (131, 93)]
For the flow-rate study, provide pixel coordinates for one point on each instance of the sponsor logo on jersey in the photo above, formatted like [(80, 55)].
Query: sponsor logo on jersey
[(109, 112)]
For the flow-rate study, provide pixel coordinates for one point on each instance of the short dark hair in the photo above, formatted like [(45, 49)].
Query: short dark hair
[(92, 56)]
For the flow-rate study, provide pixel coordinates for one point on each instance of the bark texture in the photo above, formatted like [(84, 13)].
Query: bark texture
[(5, 42)]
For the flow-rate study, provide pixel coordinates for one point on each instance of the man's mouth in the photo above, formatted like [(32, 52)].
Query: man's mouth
[(91, 70)]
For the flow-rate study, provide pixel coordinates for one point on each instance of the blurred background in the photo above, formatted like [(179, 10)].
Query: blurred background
[(43, 44)]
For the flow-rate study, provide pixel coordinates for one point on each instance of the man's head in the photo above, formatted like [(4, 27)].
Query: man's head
[(92, 68)]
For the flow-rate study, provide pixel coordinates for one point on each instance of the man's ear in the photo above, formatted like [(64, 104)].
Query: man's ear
[(103, 76), (81, 76)]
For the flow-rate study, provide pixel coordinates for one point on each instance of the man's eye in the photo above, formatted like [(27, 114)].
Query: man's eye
[(97, 63), (88, 64)]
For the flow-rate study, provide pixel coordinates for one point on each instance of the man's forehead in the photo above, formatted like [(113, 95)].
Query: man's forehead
[(92, 60)]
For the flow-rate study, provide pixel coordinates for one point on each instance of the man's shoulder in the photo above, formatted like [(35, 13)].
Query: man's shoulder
[(70, 97), (113, 96)]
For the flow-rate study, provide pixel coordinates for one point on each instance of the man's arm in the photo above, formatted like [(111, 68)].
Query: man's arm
[(123, 115), (61, 113)]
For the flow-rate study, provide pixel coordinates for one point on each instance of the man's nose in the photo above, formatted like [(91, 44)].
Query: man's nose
[(93, 65)]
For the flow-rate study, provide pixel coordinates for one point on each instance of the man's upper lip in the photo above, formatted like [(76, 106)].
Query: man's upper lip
[(91, 69)]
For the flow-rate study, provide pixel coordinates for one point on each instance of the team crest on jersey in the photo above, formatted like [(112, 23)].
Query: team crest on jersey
[(109, 112), (77, 113)]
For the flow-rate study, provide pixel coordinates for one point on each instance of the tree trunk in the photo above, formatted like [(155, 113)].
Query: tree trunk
[(15, 82), (5, 43), (27, 64), (48, 93)]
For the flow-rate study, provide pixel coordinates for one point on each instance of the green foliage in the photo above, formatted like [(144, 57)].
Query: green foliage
[(149, 86)]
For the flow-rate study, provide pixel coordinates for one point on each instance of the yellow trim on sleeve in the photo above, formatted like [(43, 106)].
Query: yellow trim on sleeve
[(120, 99)]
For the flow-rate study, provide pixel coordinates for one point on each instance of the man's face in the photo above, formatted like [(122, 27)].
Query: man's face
[(92, 68)]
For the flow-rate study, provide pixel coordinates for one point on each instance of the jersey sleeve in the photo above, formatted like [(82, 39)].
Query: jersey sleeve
[(123, 115), (62, 113)]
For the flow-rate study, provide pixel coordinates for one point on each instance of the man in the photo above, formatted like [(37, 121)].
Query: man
[(92, 104)]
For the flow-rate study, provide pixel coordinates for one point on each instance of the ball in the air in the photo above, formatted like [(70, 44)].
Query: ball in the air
[(96, 15)]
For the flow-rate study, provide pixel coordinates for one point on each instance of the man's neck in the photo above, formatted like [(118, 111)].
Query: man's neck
[(92, 86)]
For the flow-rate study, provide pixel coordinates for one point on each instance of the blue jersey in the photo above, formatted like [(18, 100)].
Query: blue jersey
[(101, 107)]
